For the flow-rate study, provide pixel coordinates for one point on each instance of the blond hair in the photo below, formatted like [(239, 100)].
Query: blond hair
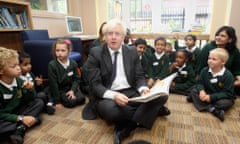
[(6, 54), (221, 53), (112, 23)]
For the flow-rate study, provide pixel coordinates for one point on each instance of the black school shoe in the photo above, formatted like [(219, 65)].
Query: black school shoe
[(49, 109), (164, 111), (189, 99), (216, 112), (18, 136), (219, 114)]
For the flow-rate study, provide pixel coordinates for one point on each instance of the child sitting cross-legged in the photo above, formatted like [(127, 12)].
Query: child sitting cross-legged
[(186, 75), (42, 92), (214, 89), (19, 109)]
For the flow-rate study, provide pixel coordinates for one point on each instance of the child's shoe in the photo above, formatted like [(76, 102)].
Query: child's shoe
[(50, 109), (219, 114), (18, 136)]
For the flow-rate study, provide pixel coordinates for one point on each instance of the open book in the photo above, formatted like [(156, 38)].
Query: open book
[(160, 88)]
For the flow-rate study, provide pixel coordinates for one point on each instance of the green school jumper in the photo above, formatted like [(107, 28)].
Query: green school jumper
[(219, 87), (193, 58), (185, 78), (62, 80), (11, 100), (158, 68), (233, 63)]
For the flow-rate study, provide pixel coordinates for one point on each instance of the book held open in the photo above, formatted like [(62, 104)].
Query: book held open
[(160, 88)]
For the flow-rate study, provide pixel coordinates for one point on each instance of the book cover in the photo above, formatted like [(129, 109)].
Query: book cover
[(6, 13), (160, 88)]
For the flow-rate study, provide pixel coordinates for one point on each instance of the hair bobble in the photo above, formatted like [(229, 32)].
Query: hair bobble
[(67, 41)]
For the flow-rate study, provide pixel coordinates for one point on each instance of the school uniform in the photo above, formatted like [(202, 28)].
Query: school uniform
[(63, 78), (158, 66), (193, 55), (14, 101), (184, 80), (218, 86)]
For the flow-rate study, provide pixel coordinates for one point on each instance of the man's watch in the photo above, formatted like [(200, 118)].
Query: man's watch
[(20, 118)]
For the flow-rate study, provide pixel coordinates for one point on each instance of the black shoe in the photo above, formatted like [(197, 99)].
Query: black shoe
[(121, 133), (16, 139), (189, 99), (38, 120), (18, 135), (50, 110), (164, 111), (219, 114)]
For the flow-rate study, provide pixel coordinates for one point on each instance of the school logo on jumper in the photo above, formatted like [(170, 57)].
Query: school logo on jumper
[(220, 84), (19, 93)]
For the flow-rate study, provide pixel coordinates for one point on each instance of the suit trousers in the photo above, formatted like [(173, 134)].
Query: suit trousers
[(141, 113)]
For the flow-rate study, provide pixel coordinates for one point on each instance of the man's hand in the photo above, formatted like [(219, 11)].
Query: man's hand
[(121, 99)]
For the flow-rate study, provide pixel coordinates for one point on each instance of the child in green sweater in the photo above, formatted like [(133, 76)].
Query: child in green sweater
[(63, 77), (158, 62), (18, 107), (214, 89), (190, 46), (42, 91), (186, 74)]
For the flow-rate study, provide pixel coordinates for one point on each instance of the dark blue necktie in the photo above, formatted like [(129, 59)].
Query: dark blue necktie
[(114, 68)]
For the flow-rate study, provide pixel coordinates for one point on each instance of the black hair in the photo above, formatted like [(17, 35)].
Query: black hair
[(22, 56), (231, 33), (160, 38), (187, 54), (192, 36), (140, 41)]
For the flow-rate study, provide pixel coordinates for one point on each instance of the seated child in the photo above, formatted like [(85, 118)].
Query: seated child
[(19, 109), (63, 77), (190, 42), (169, 51), (186, 75), (214, 89), (141, 46), (158, 62), (25, 65)]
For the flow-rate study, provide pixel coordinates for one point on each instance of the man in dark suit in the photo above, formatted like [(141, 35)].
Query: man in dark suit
[(110, 88)]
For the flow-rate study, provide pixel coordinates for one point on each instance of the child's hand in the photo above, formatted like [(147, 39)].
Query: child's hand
[(70, 94), (39, 80), (150, 82), (29, 121), (173, 66), (28, 85), (59, 106)]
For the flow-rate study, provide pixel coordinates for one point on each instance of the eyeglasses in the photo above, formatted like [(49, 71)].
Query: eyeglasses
[(114, 33)]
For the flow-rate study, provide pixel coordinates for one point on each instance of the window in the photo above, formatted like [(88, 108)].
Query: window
[(163, 15), (59, 6)]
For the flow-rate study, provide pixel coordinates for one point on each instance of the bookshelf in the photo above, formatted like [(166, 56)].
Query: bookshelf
[(10, 32)]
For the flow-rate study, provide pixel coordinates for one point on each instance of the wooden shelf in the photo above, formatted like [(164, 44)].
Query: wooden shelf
[(10, 36)]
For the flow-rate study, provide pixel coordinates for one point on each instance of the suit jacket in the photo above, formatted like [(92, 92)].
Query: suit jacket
[(100, 69)]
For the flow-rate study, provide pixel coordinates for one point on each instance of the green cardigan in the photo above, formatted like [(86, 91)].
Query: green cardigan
[(158, 68), (185, 78), (233, 63), (219, 87), (62, 80), (17, 97)]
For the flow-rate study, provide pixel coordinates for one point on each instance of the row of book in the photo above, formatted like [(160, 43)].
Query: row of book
[(13, 20)]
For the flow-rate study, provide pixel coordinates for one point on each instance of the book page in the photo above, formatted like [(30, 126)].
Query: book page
[(160, 88)]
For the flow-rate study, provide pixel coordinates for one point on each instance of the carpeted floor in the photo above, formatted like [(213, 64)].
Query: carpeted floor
[(185, 125)]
